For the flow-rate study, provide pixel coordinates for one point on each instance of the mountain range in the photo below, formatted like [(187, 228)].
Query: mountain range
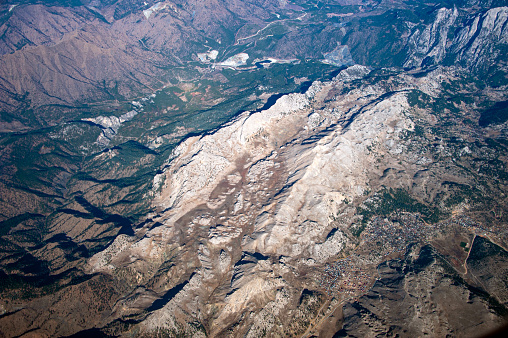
[(253, 168)]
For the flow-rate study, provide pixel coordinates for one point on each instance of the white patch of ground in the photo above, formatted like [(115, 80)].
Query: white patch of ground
[(209, 56), (236, 60)]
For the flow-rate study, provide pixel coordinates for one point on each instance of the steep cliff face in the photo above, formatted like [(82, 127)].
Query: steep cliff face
[(477, 45), (482, 43), (472, 37), (430, 43)]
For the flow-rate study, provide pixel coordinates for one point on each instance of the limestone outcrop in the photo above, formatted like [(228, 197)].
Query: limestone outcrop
[(269, 190)]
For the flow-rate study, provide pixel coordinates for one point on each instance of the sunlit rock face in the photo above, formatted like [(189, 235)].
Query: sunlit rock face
[(225, 169), (274, 191)]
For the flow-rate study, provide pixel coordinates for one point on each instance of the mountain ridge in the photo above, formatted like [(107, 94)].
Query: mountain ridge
[(252, 168)]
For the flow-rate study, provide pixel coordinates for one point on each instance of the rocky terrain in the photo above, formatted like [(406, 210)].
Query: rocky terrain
[(275, 191), (253, 168), (56, 59)]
